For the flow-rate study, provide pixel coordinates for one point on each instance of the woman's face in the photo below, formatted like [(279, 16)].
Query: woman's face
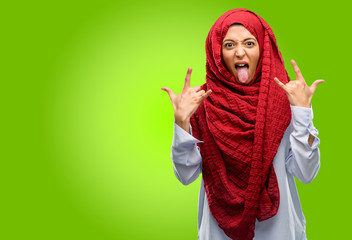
[(240, 52)]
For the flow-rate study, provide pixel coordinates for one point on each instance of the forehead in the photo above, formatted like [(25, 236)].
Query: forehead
[(238, 32)]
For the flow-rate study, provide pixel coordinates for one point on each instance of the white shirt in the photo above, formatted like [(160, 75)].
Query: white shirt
[(294, 157)]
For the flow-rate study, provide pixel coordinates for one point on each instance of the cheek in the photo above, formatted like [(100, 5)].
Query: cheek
[(255, 58), (227, 59), (257, 55)]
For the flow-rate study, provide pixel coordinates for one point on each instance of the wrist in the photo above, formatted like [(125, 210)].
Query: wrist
[(181, 118), (305, 105), (184, 123)]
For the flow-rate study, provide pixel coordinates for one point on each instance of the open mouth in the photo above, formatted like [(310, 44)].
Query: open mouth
[(241, 65), (242, 70)]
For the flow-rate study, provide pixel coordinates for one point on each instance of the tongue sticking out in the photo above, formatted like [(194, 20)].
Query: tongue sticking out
[(242, 74)]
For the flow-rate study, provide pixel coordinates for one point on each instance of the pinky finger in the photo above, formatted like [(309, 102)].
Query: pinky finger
[(315, 84), (169, 91)]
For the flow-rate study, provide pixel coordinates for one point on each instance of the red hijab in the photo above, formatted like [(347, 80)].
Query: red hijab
[(242, 127)]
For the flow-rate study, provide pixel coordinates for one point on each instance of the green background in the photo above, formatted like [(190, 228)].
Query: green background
[(86, 130)]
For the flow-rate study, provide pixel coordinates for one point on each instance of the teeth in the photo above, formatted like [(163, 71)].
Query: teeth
[(241, 65)]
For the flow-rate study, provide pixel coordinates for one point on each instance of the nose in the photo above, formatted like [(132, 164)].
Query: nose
[(240, 52)]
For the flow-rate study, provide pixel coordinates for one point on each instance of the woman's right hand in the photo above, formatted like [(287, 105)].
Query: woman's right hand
[(186, 102)]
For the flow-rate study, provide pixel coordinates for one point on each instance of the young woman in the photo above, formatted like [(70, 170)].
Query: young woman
[(252, 133)]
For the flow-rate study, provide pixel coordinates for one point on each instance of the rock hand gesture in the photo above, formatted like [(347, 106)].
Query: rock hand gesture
[(186, 102), (298, 92)]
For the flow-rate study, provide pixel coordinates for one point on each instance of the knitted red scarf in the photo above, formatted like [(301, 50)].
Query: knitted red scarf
[(242, 127)]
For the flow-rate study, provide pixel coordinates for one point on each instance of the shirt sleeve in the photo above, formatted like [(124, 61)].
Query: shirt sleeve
[(303, 160), (185, 156)]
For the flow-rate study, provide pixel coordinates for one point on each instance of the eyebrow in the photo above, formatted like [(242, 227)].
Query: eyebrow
[(243, 40)]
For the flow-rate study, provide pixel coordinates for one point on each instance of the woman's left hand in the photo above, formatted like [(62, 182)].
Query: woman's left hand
[(298, 92)]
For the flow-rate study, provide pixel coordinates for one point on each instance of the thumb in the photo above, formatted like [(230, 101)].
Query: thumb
[(280, 84), (313, 87), (206, 94), (169, 91)]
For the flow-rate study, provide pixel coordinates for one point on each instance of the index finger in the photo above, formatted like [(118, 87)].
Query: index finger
[(188, 78), (298, 73)]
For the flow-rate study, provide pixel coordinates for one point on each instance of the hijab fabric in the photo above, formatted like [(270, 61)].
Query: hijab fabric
[(241, 128)]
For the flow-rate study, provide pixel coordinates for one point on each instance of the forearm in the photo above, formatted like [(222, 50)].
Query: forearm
[(304, 159), (185, 155), (311, 139)]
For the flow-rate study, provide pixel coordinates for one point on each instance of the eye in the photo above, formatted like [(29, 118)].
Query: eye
[(228, 45), (250, 44)]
